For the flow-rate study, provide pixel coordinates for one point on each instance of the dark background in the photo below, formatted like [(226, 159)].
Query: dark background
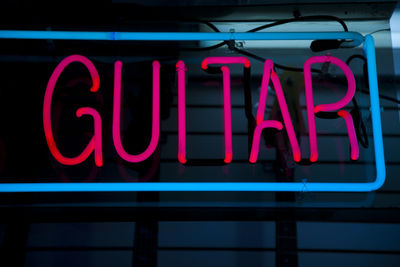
[(187, 228)]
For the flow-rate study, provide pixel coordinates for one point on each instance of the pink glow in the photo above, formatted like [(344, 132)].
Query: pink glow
[(98, 155), (227, 113), (286, 117), (95, 142), (268, 65), (311, 110), (225, 60), (180, 68), (269, 73), (152, 171), (354, 150), (227, 96), (257, 136), (116, 124)]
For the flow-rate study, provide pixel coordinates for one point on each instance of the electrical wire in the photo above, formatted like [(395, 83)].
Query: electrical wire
[(287, 68), (359, 124), (204, 48), (278, 66), (305, 18), (392, 99), (358, 121), (381, 30), (265, 26)]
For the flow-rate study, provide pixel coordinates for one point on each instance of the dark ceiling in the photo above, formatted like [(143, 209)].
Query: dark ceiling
[(162, 15)]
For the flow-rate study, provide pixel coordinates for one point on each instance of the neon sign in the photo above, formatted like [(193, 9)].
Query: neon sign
[(95, 144)]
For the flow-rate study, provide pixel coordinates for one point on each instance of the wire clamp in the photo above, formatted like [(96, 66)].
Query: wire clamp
[(232, 35), (304, 189)]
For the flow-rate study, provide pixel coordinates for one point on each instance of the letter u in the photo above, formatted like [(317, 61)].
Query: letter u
[(116, 124)]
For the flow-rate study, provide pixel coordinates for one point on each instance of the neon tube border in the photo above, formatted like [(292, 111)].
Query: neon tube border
[(369, 51)]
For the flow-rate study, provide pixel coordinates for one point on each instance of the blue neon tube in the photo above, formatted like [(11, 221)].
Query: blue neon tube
[(179, 36), (369, 50)]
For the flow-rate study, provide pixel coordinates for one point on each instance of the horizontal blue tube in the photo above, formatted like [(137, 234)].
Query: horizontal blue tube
[(369, 51), (173, 186), (180, 36), (56, 35)]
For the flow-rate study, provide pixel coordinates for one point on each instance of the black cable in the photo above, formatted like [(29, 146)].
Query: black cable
[(358, 122), (381, 30), (356, 56), (185, 19), (366, 78), (278, 66), (212, 27), (382, 96), (360, 128), (305, 18), (204, 48), (209, 24), (280, 22)]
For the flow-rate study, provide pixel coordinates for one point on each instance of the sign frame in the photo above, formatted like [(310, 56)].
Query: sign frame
[(358, 39)]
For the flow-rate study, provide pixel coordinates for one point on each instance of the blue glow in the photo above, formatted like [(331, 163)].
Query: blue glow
[(117, 187), (56, 35), (180, 36), (369, 50)]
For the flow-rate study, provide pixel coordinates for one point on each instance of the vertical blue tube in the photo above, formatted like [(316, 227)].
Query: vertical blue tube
[(369, 50)]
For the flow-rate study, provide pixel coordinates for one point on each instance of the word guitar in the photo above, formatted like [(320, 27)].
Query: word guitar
[(95, 143)]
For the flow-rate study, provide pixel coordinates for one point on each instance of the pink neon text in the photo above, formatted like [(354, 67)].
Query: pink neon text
[(95, 144)]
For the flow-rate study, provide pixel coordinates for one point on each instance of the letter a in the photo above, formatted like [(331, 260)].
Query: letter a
[(261, 124)]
